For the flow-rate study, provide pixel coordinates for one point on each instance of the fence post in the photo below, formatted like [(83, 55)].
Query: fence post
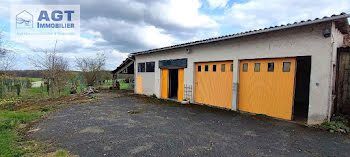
[(48, 87), (41, 89), (18, 89), (1, 88)]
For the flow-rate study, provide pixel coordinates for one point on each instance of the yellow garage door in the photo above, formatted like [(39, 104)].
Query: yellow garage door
[(266, 86), (139, 84), (213, 83), (180, 92), (164, 83)]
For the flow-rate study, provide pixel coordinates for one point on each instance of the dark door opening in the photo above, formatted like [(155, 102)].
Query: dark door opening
[(173, 83), (342, 90), (302, 89)]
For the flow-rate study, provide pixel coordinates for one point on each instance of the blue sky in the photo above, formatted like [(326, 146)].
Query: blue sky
[(118, 27)]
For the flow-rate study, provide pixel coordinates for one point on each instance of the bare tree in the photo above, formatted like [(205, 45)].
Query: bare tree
[(91, 67), (107, 75), (7, 56), (54, 68), (7, 62)]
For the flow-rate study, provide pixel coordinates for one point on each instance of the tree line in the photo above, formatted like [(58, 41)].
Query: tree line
[(54, 68)]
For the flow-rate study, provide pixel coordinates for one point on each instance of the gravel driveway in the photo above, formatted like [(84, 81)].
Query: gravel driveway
[(138, 126)]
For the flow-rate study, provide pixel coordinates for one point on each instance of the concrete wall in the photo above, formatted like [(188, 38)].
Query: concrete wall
[(300, 41)]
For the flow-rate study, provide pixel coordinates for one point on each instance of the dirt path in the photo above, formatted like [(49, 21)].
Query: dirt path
[(138, 126)]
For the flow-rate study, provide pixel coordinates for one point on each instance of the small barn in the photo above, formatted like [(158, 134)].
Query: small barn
[(287, 71), (124, 71)]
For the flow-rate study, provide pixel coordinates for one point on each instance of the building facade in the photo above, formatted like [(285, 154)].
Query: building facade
[(286, 72)]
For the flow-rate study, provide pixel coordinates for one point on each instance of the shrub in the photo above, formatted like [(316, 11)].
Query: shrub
[(44, 109)]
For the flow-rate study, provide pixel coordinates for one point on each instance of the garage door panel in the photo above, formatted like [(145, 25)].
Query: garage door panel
[(139, 88), (164, 83), (214, 87), (265, 92)]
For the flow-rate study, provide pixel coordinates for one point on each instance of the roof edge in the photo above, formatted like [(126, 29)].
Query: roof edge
[(247, 33)]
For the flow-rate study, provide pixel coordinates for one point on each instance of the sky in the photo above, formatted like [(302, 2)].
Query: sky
[(119, 27)]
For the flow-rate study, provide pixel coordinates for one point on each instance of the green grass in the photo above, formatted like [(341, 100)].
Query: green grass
[(62, 153), (123, 84), (35, 92), (9, 121), (33, 79), (27, 93)]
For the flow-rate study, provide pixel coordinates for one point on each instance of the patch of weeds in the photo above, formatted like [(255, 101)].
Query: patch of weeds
[(62, 153), (45, 109), (340, 118), (153, 96), (32, 148), (337, 123), (8, 103)]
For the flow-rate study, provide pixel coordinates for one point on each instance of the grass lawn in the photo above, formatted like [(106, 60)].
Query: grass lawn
[(9, 121), (17, 111), (109, 83), (35, 79), (124, 85)]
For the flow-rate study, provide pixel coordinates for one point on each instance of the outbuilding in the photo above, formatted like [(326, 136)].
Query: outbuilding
[(285, 71)]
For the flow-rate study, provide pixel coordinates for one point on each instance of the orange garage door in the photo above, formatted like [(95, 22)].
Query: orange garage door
[(266, 86), (213, 83), (139, 84)]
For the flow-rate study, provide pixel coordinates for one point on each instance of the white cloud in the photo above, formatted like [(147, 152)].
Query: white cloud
[(261, 13), (69, 43), (126, 26), (154, 37), (184, 13), (115, 58), (217, 3)]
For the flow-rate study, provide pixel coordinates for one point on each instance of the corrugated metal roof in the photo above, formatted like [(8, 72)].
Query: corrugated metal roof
[(241, 34)]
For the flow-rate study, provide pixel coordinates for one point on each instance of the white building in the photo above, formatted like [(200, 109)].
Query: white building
[(285, 71)]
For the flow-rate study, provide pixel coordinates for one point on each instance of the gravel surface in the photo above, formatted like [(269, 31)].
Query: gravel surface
[(133, 125)]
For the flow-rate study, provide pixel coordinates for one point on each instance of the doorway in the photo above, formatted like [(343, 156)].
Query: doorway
[(173, 83), (302, 89)]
